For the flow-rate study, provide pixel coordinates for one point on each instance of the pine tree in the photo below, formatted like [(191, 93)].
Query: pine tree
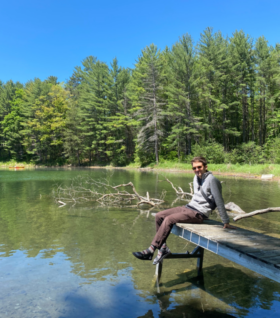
[(182, 96), (148, 99), (268, 68), (72, 135), (12, 127), (242, 56), (120, 138), (94, 100)]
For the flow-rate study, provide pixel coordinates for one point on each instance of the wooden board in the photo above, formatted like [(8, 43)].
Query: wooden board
[(256, 251)]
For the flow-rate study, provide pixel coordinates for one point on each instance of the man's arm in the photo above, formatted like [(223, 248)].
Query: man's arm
[(216, 190)]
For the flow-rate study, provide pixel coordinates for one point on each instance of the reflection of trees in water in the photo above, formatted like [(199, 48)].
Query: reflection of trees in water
[(187, 312), (25, 220), (99, 243)]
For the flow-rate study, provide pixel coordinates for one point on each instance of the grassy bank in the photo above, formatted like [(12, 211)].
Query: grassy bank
[(230, 169), (13, 163), (255, 170)]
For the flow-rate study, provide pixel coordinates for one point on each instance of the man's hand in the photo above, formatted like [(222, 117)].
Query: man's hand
[(227, 226)]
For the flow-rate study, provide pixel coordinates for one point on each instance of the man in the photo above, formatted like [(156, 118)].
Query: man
[(207, 195)]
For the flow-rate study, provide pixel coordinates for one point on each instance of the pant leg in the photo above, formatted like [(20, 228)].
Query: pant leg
[(185, 215), (160, 216)]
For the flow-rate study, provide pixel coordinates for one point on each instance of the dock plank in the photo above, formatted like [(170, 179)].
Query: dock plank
[(256, 251)]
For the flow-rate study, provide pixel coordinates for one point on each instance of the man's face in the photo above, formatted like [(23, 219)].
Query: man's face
[(199, 168)]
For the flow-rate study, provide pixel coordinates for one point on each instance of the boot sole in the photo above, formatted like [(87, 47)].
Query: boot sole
[(143, 258)]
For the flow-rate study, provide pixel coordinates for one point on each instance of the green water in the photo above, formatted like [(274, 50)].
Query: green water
[(76, 261)]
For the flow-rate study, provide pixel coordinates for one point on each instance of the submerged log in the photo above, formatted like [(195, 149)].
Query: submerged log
[(247, 215), (231, 206), (103, 193), (82, 190)]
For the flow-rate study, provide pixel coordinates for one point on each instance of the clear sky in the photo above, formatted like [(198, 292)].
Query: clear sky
[(51, 37)]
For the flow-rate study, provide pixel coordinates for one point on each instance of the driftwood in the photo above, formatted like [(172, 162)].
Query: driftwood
[(231, 206), (181, 194), (82, 190), (247, 215), (115, 198), (62, 204), (180, 191)]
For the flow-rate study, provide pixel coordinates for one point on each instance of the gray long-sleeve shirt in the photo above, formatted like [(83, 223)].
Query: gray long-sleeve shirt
[(213, 189)]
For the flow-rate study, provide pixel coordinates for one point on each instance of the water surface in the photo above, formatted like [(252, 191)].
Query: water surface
[(76, 261)]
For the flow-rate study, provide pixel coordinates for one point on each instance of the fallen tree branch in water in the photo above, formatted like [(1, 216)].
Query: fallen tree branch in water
[(90, 190), (247, 215), (231, 206), (62, 204), (180, 191), (82, 190), (116, 197)]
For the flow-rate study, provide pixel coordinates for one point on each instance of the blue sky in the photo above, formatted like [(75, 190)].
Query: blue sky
[(43, 38)]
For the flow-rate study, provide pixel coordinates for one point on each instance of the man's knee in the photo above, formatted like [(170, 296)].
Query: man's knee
[(169, 220), (158, 217)]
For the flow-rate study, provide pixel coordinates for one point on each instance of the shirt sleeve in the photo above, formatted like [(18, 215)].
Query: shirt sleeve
[(216, 191)]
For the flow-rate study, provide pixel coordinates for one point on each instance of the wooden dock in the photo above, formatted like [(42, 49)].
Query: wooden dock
[(258, 252)]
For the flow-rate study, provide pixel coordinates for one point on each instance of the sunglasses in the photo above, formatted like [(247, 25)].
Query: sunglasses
[(199, 167)]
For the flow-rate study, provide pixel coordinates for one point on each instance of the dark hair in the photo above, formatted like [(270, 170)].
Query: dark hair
[(199, 159)]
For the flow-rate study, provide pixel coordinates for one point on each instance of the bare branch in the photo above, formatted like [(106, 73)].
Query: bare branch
[(90, 190), (62, 204), (109, 196), (179, 191), (247, 215), (191, 187)]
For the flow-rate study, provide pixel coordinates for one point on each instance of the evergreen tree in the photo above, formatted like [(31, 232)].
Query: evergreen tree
[(72, 136), (12, 127), (148, 99), (119, 124), (243, 72), (268, 92), (182, 97), (223, 93), (94, 100)]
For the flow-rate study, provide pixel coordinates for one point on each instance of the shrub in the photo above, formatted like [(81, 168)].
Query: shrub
[(272, 150), (212, 151), (246, 153), (232, 156), (251, 153), (170, 156), (143, 158)]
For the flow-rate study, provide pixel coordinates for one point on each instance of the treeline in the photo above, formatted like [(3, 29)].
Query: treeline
[(220, 98)]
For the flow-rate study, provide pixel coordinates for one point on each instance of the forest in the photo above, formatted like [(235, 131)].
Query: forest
[(219, 97)]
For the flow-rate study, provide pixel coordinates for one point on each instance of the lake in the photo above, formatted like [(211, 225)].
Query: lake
[(76, 261)]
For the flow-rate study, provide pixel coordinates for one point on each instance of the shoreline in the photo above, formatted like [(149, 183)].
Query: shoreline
[(215, 168), (226, 174)]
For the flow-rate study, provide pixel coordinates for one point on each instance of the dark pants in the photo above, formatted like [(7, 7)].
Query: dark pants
[(165, 220)]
